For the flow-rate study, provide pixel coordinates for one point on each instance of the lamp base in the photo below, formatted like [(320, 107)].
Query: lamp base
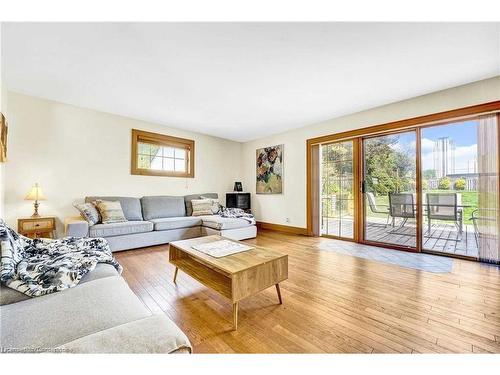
[(35, 214)]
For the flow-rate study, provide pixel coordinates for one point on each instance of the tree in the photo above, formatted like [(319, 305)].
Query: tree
[(425, 184), (388, 168), (460, 184), (429, 173), (444, 183)]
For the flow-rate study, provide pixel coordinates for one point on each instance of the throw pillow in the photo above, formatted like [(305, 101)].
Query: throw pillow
[(215, 205), (111, 211), (88, 212), (201, 207)]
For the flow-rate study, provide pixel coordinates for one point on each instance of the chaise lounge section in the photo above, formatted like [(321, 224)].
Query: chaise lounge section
[(156, 220), (100, 315)]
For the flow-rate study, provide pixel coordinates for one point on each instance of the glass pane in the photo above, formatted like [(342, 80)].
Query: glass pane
[(345, 169), (346, 189), (180, 153), (180, 165), (168, 164), (389, 180), (156, 163), (450, 186), (337, 213), (143, 148), (144, 161), (155, 150), (168, 152), (486, 218)]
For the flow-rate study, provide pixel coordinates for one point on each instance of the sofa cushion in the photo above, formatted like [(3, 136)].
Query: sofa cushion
[(119, 229), (9, 295), (189, 198), (220, 223), (154, 334), (55, 319), (131, 206), (168, 223), (157, 207)]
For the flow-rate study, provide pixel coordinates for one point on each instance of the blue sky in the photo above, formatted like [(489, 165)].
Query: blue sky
[(464, 134)]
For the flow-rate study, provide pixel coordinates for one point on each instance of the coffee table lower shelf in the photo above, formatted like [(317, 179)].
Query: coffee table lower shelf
[(232, 285)]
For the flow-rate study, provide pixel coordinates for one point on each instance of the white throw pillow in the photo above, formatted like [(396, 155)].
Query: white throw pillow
[(201, 207)]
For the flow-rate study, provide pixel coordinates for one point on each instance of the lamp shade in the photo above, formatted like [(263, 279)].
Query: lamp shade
[(35, 194)]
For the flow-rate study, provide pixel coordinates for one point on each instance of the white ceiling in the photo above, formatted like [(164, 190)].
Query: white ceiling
[(243, 81)]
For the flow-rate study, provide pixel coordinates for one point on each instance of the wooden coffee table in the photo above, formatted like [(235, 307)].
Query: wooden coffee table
[(234, 276)]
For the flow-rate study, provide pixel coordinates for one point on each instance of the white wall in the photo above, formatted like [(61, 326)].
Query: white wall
[(73, 152), (292, 203)]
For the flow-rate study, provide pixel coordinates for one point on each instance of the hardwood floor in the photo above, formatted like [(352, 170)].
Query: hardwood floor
[(331, 303)]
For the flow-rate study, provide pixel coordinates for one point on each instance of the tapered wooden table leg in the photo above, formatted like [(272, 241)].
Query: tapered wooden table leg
[(235, 315), (279, 293), (175, 274)]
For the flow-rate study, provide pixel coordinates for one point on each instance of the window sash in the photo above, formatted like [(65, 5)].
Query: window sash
[(183, 164)]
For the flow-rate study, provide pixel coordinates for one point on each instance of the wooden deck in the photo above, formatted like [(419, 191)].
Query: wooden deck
[(332, 303), (442, 238)]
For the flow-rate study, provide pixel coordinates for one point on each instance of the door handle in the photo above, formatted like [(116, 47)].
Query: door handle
[(363, 187)]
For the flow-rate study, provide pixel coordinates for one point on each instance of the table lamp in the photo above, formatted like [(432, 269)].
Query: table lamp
[(35, 194)]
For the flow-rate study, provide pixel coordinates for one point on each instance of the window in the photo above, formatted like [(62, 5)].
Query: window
[(161, 155)]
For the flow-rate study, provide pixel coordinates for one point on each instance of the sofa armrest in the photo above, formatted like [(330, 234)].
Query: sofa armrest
[(76, 227)]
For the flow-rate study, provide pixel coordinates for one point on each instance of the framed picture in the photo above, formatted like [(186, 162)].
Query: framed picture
[(270, 170), (3, 138), (238, 186)]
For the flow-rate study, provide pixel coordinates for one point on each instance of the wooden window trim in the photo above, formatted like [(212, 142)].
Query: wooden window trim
[(166, 141), (440, 118)]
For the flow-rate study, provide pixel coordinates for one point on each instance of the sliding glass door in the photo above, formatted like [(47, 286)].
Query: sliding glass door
[(389, 189), (429, 188), (460, 188), (337, 195), (450, 187)]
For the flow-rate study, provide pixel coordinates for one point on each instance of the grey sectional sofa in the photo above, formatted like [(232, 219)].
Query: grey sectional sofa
[(155, 220), (100, 315)]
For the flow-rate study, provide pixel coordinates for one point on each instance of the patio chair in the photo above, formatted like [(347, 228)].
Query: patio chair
[(481, 218), (444, 207), (372, 203), (401, 205)]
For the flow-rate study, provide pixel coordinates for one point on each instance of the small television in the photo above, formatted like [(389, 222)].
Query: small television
[(238, 200)]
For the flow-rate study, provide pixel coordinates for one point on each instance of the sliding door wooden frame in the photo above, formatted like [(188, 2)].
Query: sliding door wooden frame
[(498, 187), (416, 123), (356, 168), (436, 118), (418, 188)]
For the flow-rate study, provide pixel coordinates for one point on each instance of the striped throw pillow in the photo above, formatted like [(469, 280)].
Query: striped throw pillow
[(202, 207), (111, 211)]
